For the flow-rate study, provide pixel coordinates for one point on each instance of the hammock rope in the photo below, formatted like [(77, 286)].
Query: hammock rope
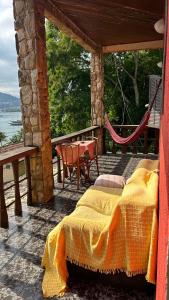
[(137, 132)]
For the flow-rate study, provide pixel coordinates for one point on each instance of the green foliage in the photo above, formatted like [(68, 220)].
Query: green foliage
[(69, 83), (147, 65), (2, 137), (16, 138)]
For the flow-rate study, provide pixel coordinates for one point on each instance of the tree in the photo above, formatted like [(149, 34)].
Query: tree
[(126, 83), (17, 137), (2, 137), (69, 83)]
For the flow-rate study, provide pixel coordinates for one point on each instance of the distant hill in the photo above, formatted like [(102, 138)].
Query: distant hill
[(9, 102)]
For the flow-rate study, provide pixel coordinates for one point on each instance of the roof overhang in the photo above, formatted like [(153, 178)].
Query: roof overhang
[(108, 26)]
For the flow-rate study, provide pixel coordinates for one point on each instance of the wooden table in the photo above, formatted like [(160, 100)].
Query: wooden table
[(86, 153), (86, 148)]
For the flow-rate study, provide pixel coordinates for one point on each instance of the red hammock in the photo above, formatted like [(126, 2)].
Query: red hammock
[(135, 135)]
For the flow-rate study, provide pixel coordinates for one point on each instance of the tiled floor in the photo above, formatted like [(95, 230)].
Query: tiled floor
[(21, 247)]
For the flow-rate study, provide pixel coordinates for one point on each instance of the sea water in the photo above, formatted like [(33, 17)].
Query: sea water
[(5, 119)]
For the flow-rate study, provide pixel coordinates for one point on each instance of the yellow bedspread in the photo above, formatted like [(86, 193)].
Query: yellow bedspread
[(110, 230)]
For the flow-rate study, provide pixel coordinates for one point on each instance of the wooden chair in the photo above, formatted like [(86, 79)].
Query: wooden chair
[(94, 157), (71, 160)]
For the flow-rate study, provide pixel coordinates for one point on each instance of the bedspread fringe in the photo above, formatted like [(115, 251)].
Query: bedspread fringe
[(106, 271)]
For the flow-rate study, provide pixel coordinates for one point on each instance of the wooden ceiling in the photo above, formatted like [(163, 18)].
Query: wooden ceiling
[(106, 23)]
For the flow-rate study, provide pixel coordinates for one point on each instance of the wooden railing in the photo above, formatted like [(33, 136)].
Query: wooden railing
[(147, 143), (78, 135), (14, 157)]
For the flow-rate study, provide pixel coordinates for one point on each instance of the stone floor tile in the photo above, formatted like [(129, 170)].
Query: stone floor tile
[(18, 239), (5, 257), (22, 271), (35, 246)]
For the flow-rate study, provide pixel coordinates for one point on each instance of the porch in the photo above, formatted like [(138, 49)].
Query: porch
[(22, 245)]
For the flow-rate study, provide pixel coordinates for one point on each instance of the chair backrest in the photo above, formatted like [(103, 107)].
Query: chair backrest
[(69, 153)]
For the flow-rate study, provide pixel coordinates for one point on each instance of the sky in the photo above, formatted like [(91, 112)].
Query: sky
[(8, 58)]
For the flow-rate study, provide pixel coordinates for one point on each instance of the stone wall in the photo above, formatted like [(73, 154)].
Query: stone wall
[(97, 93), (31, 50)]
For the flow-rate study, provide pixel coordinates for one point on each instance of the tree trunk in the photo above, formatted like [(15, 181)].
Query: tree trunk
[(136, 91), (135, 86)]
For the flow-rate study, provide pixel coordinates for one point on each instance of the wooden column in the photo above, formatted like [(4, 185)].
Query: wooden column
[(97, 93), (31, 50)]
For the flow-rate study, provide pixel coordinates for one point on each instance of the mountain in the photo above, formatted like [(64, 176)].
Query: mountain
[(9, 102)]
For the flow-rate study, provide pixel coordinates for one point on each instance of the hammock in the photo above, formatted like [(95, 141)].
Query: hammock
[(137, 132)]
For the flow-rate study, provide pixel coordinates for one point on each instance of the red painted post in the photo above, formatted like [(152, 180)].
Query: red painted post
[(162, 290)]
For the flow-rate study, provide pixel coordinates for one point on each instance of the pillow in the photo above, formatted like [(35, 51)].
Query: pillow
[(144, 170), (112, 181), (148, 164)]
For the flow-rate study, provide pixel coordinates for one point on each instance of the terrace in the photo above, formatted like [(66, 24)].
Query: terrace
[(42, 206), (22, 245)]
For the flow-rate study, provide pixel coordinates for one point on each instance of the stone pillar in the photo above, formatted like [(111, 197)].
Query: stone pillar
[(31, 50), (97, 93)]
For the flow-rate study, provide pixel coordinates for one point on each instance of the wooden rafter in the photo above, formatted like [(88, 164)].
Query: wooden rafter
[(58, 18), (141, 7), (101, 5), (113, 12), (133, 46)]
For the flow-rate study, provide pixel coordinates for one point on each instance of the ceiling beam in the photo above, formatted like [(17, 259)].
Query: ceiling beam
[(59, 19), (134, 46)]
